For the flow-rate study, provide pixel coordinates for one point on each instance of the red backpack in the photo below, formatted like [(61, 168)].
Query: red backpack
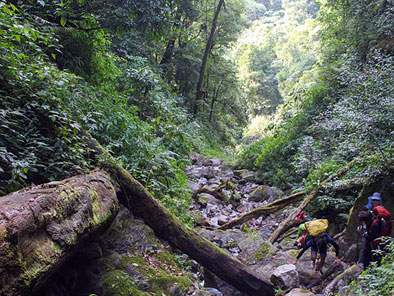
[(380, 214)]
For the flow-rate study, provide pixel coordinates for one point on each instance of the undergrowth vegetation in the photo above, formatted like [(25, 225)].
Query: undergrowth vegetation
[(337, 108), (377, 279), (66, 67), (320, 91)]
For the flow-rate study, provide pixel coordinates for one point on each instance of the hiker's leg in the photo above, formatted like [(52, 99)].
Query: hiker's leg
[(313, 256), (321, 262), (361, 255), (367, 254)]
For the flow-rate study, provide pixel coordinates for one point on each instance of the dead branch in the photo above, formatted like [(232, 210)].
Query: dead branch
[(286, 224)]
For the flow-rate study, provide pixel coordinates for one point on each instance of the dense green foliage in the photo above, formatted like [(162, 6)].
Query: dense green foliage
[(315, 80), (378, 280), (106, 68), (337, 85)]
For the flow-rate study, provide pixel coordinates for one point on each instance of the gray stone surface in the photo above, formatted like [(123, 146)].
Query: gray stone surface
[(285, 276)]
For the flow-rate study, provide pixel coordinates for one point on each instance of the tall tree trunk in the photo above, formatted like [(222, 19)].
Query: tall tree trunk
[(167, 57), (168, 54), (208, 46), (214, 99), (138, 200), (211, 109)]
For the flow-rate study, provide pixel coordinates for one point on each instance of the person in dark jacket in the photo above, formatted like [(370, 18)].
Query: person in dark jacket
[(319, 245), (374, 227)]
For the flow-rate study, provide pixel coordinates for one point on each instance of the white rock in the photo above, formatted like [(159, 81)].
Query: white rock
[(299, 292), (285, 276)]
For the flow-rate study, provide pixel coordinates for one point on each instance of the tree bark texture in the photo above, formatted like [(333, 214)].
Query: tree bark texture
[(41, 226), (264, 210), (289, 221), (142, 204), (208, 48), (347, 276)]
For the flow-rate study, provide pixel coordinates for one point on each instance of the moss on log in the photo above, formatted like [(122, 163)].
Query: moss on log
[(214, 192), (41, 226)]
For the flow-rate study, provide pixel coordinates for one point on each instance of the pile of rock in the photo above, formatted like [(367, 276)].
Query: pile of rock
[(251, 246), (242, 186)]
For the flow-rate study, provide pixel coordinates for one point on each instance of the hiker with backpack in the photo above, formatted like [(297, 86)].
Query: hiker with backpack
[(375, 225), (318, 242), (302, 232)]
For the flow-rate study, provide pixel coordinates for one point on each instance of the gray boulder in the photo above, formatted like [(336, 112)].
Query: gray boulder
[(245, 175), (215, 162), (248, 175), (285, 276), (265, 193)]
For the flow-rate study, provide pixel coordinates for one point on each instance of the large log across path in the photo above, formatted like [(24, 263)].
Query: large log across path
[(265, 210), (285, 201), (40, 227), (142, 204)]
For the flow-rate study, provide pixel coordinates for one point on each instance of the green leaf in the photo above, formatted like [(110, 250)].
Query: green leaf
[(63, 21), (13, 7)]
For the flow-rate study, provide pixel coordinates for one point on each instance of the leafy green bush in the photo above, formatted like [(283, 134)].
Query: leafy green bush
[(322, 172), (273, 156), (44, 109), (33, 149), (378, 280)]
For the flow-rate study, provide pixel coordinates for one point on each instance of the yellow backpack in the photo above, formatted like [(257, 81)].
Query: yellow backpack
[(315, 227)]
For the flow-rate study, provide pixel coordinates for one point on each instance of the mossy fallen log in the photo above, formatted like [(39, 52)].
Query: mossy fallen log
[(41, 226), (265, 210), (347, 276), (279, 204), (217, 193), (142, 204), (214, 192)]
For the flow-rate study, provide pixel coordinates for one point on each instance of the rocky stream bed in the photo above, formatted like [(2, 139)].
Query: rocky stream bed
[(249, 242), (126, 257)]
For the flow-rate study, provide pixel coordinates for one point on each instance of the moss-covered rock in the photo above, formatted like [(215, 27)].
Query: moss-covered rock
[(119, 283), (154, 274), (264, 251)]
